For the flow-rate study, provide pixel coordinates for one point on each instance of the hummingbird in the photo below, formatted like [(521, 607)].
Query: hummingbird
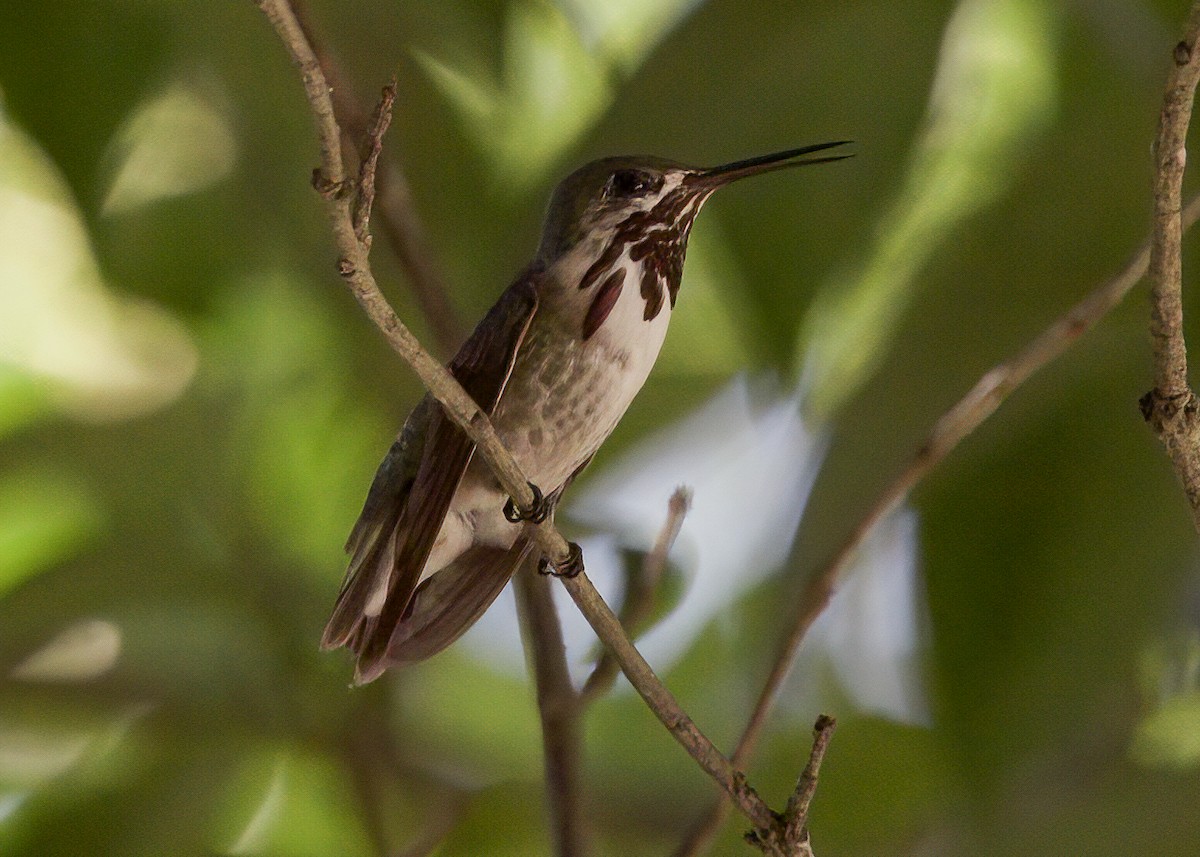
[(554, 364)]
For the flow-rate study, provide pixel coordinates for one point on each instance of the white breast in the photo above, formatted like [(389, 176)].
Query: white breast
[(627, 339)]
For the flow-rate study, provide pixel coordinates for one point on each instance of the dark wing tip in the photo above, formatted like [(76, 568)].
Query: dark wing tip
[(367, 670)]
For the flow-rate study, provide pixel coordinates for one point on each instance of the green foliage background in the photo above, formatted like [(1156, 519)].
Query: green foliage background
[(191, 409)]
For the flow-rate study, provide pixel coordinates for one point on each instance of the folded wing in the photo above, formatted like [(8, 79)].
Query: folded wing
[(380, 599)]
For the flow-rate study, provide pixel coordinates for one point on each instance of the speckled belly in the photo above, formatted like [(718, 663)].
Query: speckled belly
[(564, 397)]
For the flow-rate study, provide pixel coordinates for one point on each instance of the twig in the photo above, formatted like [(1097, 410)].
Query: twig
[(791, 838), (397, 215), (795, 817), (559, 709), (639, 595), (364, 739), (963, 418), (354, 267), (1171, 407), (373, 145), (406, 236)]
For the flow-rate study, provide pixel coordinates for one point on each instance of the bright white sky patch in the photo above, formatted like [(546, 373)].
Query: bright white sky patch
[(873, 633)]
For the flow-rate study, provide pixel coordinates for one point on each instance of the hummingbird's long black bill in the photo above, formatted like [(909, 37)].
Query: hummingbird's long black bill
[(777, 161)]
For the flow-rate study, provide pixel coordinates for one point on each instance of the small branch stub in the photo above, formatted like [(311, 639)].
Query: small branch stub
[(1176, 421), (789, 836), (795, 817), (1160, 410), (369, 162), (1183, 53), (324, 185), (397, 217)]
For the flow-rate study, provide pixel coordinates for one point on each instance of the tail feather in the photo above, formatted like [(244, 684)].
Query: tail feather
[(373, 559), (445, 606)]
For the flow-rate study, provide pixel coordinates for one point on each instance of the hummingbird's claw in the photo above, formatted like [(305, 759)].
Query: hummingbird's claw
[(535, 514), (570, 567)]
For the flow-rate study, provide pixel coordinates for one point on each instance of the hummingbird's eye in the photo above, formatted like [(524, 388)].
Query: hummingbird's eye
[(631, 183)]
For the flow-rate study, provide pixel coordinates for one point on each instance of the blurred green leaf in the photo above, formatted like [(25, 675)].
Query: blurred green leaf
[(504, 821), (172, 144), (994, 91), (101, 357), (22, 400), (82, 651), (560, 63), (290, 803), (551, 90), (31, 757), (625, 31), (45, 517), (1170, 737), (667, 595), (302, 428), (484, 721)]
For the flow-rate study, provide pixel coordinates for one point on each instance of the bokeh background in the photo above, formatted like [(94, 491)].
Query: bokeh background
[(191, 409)]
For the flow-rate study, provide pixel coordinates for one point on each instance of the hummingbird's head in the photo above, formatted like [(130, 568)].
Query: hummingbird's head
[(634, 195), (628, 218), (598, 197)]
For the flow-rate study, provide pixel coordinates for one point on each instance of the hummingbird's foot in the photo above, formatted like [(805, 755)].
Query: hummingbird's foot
[(570, 567), (535, 514)]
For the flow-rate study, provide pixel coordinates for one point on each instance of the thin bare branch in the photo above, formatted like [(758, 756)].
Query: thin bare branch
[(397, 216), (329, 137), (1170, 155), (366, 743), (559, 709), (365, 747), (963, 418), (402, 228), (639, 593), (354, 267), (1171, 407), (791, 838)]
